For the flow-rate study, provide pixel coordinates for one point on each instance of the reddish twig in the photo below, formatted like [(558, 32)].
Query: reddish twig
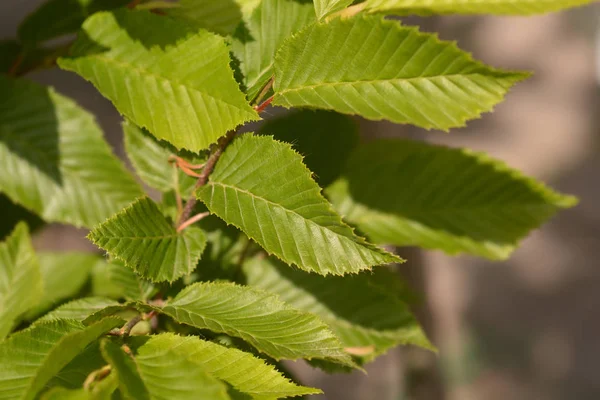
[(192, 220), (264, 105)]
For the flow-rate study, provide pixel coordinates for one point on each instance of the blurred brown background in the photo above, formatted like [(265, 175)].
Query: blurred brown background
[(524, 329)]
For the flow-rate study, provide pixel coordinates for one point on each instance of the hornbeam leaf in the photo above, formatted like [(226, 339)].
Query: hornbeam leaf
[(259, 318), (181, 356), (256, 42), (116, 281), (63, 275), (102, 390), (30, 358), (56, 18), (151, 375), (381, 70), (501, 7), (54, 159), (323, 8), (369, 317), (74, 374), (78, 309), (21, 284), (11, 214), (261, 186), (165, 76), (408, 193), (218, 16), (142, 238)]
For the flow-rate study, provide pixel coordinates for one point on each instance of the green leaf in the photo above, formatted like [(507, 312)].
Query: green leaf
[(323, 8), (116, 281), (78, 309), (369, 320), (165, 76), (381, 70), (56, 18), (74, 374), (11, 214), (57, 163), (245, 372), (151, 161), (408, 193), (29, 359), (20, 280), (256, 42), (259, 318), (261, 186), (217, 16), (501, 7), (142, 238), (102, 390), (325, 139), (63, 275), (151, 375)]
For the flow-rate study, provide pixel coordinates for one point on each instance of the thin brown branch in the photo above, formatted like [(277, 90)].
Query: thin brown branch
[(192, 220), (126, 329), (208, 168), (264, 105)]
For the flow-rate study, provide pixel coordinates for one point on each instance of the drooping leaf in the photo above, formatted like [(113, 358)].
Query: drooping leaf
[(151, 375), (63, 276), (151, 161), (165, 76), (501, 7), (379, 69), (243, 371), (21, 285), (78, 309), (56, 18), (261, 186), (54, 158), (74, 374), (362, 314), (30, 358), (409, 193), (142, 238), (259, 318), (323, 8), (256, 42), (325, 139), (116, 281)]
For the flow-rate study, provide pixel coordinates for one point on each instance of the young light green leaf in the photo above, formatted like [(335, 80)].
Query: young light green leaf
[(114, 280), (273, 199), (256, 42), (379, 69), (78, 309), (56, 161), (409, 193), (325, 139), (324, 8), (142, 238), (501, 7), (63, 275), (56, 18), (259, 318), (151, 160), (30, 358), (370, 320), (165, 76), (21, 285), (245, 372), (130, 384)]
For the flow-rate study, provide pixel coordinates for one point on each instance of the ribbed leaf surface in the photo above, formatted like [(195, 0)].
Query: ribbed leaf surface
[(256, 42), (323, 8), (21, 286), (258, 317), (142, 238), (116, 281), (261, 186), (243, 371), (381, 70), (502, 7), (78, 309), (32, 357), (74, 374), (151, 161), (56, 18), (409, 193), (165, 76), (218, 16), (361, 313), (63, 276), (54, 158)]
